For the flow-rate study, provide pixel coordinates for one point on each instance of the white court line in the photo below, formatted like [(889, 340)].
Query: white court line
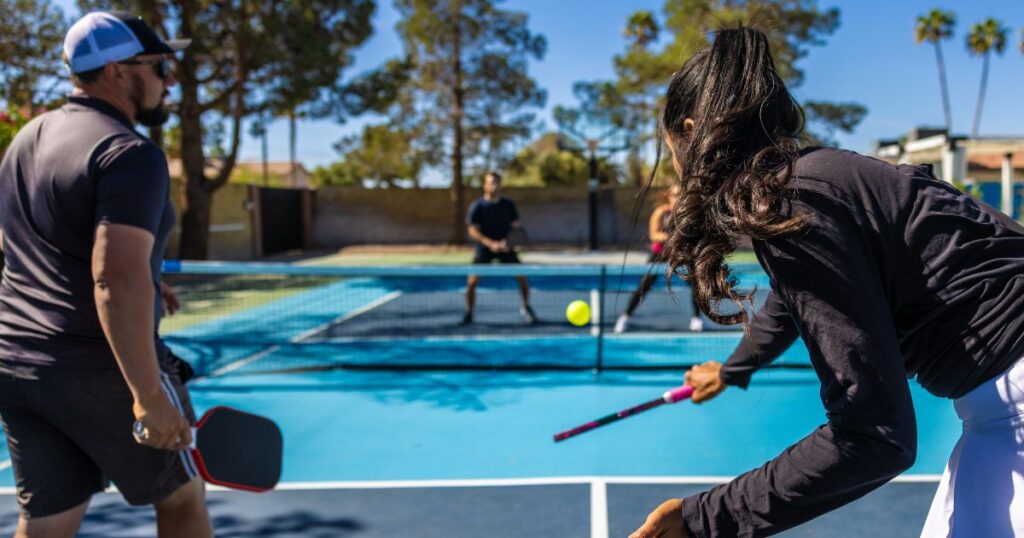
[(507, 482), (347, 316), (465, 338), (245, 361), (543, 481), (598, 509), (527, 338), (672, 335), (5, 464)]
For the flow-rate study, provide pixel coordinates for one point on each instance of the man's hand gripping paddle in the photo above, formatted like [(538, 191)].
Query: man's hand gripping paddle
[(235, 449)]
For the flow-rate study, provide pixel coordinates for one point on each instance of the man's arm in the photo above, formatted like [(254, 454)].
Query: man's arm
[(1, 240), (124, 301), (478, 236)]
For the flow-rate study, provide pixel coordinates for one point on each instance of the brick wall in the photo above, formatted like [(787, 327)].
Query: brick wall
[(552, 215)]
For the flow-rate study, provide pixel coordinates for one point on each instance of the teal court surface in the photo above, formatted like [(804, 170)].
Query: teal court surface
[(400, 421)]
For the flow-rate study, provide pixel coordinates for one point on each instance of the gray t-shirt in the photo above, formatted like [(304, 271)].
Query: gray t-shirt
[(66, 172)]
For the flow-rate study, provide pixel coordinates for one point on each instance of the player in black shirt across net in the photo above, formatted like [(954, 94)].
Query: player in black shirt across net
[(491, 219)]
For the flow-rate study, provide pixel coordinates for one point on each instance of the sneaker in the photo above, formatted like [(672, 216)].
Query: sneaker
[(467, 319), (622, 324), (528, 315), (696, 324)]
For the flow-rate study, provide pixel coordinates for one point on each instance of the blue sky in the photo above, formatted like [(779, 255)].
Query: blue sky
[(871, 59)]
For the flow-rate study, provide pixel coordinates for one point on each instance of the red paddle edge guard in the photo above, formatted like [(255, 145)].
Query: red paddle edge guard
[(201, 465)]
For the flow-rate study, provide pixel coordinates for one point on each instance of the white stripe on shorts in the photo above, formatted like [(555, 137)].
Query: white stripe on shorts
[(185, 455)]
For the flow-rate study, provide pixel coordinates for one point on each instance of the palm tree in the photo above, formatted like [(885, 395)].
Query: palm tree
[(934, 27), (985, 37)]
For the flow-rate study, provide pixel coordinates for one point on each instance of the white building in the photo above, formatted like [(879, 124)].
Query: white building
[(965, 161)]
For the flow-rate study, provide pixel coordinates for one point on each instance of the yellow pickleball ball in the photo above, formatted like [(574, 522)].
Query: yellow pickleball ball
[(578, 313)]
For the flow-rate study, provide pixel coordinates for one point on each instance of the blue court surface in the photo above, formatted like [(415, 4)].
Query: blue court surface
[(375, 453)]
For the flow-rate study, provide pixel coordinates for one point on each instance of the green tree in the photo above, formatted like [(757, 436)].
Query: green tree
[(382, 155), (658, 45), (641, 29), (543, 164), (468, 84), (299, 86), (985, 37), (338, 174), (231, 70), (12, 121), (831, 117), (933, 28), (30, 52)]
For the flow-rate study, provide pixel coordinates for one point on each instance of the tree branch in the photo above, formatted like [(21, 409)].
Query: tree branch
[(216, 75), (221, 99), (238, 112)]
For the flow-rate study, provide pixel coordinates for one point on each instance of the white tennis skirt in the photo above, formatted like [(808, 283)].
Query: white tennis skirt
[(981, 494)]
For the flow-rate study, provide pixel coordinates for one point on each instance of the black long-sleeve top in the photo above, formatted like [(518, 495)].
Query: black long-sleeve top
[(894, 275)]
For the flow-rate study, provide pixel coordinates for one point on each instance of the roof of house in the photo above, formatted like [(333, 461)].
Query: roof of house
[(993, 161)]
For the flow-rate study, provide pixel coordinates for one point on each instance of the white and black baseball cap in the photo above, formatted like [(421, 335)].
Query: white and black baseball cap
[(103, 37)]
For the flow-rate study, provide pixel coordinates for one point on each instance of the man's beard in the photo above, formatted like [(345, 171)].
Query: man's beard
[(150, 117)]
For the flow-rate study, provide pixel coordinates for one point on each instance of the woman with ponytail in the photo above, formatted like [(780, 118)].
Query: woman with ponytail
[(659, 223), (885, 273)]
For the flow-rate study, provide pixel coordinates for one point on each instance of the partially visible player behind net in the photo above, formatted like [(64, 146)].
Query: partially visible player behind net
[(491, 219), (660, 222)]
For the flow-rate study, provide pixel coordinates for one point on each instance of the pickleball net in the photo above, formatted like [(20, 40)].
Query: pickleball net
[(244, 318)]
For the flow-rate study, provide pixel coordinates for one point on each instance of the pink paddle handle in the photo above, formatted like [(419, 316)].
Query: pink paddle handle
[(677, 394)]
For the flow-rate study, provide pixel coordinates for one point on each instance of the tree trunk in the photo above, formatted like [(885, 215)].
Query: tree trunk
[(263, 149), (457, 193), (635, 167), (156, 134), (195, 216), (151, 12), (981, 97), (945, 89), (291, 148), (195, 223)]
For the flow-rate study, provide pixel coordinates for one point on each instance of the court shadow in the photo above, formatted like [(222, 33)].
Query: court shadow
[(109, 516), (300, 523)]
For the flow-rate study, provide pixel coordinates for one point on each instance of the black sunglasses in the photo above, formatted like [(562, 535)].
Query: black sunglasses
[(161, 67)]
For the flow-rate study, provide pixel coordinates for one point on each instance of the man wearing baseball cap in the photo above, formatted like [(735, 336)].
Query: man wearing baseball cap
[(84, 221)]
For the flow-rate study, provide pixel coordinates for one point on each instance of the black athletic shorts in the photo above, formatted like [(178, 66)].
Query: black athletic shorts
[(69, 431), (484, 255)]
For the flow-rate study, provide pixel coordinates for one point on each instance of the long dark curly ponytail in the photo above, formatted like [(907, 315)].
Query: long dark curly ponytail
[(734, 160)]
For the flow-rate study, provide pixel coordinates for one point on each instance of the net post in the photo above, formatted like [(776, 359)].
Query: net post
[(600, 318)]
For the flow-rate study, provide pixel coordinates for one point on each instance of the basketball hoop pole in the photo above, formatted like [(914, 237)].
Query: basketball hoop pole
[(586, 147), (592, 184)]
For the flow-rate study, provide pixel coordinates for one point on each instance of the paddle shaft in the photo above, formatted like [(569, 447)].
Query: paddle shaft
[(672, 396)]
